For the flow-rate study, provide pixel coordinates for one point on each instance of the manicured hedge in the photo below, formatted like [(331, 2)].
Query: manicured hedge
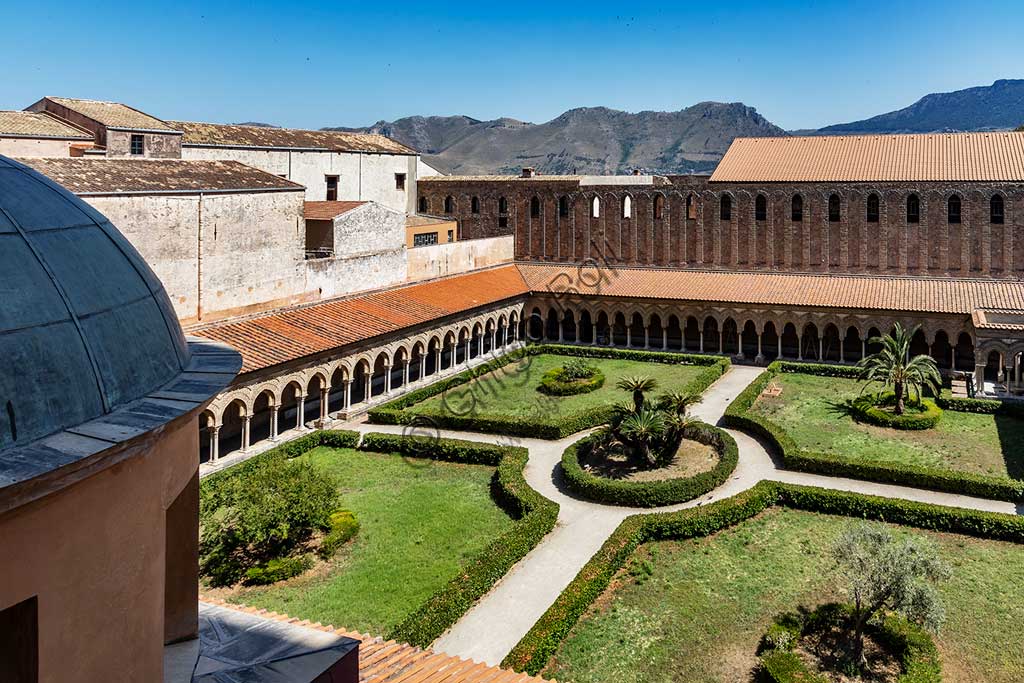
[(653, 493), (554, 384), (915, 649), (739, 416), (535, 515), (394, 412), (533, 651), (924, 416)]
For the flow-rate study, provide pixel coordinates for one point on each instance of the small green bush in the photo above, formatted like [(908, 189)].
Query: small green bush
[(653, 493), (557, 382), (577, 368), (871, 409), (278, 569), (343, 526), (783, 666)]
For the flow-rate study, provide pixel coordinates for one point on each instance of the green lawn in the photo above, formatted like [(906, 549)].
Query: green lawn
[(421, 520), (705, 603), (511, 391), (810, 409)]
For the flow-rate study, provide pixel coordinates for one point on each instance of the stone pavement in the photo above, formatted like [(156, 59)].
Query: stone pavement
[(492, 627)]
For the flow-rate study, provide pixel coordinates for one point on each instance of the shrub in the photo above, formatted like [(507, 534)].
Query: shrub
[(871, 409), (556, 382), (739, 416), (394, 412), (577, 368), (266, 508), (653, 493), (277, 569), (535, 515), (343, 525)]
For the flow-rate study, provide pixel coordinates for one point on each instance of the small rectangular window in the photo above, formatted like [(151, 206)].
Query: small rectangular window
[(399, 181), (451, 235), (424, 239), (19, 646), (332, 188), (138, 144)]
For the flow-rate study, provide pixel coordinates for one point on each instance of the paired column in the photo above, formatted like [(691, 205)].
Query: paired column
[(300, 413), (325, 393), (214, 443), (347, 383), (423, 367), (405, 372), (387, 378), (246, 423), (273, 422), (979, 379), (760, 356)]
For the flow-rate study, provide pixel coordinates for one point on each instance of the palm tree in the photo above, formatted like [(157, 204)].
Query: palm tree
[(641, 430), (678, 402), (893, 367), (676, 424), (637, 384)]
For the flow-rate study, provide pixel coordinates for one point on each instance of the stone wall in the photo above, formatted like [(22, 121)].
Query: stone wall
[(458, 257), (155, 145), (36, 147)]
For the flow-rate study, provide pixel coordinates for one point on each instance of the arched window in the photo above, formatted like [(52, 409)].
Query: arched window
[(913, 209), (627, 207), (659, 206), (953, 209), (424, 205), (449, 204), (534, 207), (761, 208), (563, 206), (833, 208), (474, 204), (691, 208), (996, 210), (502, 212), (595, 208), (872, 212), (725, 208), (797, 208)]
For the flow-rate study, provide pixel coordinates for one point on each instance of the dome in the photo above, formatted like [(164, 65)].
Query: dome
[(85, 325)]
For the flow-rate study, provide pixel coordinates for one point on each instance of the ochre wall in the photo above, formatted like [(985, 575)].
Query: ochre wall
[(94, 555)]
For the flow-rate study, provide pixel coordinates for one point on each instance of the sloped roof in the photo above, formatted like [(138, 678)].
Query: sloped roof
[(227, 135), (114, 114), (883, 158), (281, 337), (101, 175), (327, 211), (38, 125), (880, 293)]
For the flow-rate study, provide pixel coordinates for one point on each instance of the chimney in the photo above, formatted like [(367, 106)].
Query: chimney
[(528, 172), (636, 171)]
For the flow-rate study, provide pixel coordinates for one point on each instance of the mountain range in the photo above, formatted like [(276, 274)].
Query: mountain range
[(598, 140)]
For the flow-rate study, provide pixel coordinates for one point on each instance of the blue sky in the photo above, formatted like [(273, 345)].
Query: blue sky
[(801, 64)]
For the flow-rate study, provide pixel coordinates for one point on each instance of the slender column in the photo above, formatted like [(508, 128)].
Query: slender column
[(979, 379), (721, 342), (246, 422), (863, 348), (514, 331), (760, 356), (701, 333), (593, 334), (821, 348), (1008, 374), (504, 336), (437, 361), (469, 340), (273, 423), (405, 373), (324, 400), (561, 331), (347, 383), (629, 336), (214, 443), (842, 351), (494, 339), (664, 339), (778, 339), (387, 378), (647, 337), (799, 348), (952, 358), (300, 414), (611, 336), (423, 367), (368, 384)]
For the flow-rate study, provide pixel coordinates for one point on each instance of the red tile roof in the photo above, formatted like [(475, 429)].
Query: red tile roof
[(281, 337), (328, 211), (230, 135), (862, 158), (881, 293)]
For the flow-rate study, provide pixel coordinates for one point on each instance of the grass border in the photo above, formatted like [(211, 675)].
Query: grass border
[(654, 493), (738, 416), (532, 653), (394, 412)]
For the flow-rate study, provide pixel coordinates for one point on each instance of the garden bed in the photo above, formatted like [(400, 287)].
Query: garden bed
[(501, 397)]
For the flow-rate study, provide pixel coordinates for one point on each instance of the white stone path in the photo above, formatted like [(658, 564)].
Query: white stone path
[(490, 630)]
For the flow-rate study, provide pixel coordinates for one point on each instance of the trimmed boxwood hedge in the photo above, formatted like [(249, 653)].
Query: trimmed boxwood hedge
[(532, 652), (739, 416), (915, 649), (920, 416), (554, 384), (653, 493), (394, 412), (535, 515)]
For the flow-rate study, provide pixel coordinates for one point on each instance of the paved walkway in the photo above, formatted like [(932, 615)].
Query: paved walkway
[(489, 630)]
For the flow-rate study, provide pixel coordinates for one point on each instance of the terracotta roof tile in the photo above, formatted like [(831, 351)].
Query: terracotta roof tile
[(228, 135), (38, 124), (114, 114), (882, 158), (275, 338), (101, 175), (327, 211), (882, 293)]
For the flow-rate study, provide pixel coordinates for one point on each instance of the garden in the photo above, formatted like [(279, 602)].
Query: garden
[(528, 393), (397, 537)]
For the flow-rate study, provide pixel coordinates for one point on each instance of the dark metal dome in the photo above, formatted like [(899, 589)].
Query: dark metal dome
[(85, 325)]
